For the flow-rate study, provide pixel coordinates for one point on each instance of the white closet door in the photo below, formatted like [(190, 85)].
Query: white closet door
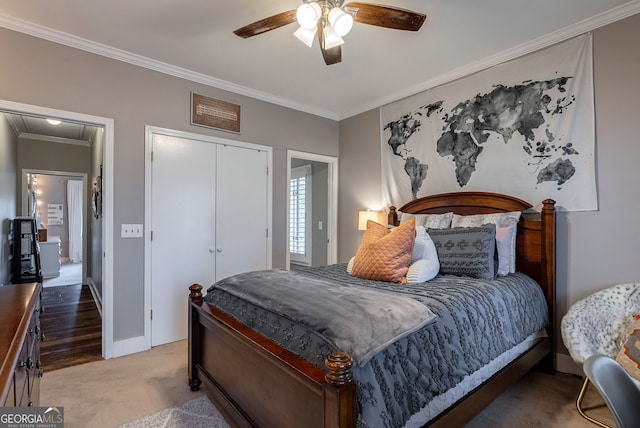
[(241, 216), (183, 223)]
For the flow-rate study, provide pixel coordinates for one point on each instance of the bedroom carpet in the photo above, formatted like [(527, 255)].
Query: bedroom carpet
[(110, 393)]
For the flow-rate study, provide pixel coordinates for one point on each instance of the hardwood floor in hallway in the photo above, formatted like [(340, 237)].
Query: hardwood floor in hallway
[(72, 327)]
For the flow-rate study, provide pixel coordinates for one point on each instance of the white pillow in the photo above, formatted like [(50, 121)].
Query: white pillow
[(350, 265), (500, 220), (424, 259), (504, 237), (429, 221)]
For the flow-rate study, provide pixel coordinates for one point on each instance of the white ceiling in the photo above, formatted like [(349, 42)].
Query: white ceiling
[(194, 39)]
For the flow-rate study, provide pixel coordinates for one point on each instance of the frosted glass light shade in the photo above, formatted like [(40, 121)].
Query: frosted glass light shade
[(331, 39), (340, 21), (306, 36), (308, 15)]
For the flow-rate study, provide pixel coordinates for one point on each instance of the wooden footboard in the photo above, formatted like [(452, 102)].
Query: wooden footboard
[(255, 382)]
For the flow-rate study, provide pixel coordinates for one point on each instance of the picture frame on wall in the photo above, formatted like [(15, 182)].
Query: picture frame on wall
[(214, 113)]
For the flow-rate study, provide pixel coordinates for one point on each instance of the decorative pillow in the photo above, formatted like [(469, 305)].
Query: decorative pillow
[(385, 255), (500, 220), (424, 259), (467, 251), (429, 221), (629, 355), (505, 237)]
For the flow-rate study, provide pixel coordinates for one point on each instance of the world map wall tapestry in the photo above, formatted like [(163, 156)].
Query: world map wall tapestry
[(524, 128)]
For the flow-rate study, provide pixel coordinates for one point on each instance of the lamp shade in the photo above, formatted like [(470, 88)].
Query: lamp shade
[(364, 216)]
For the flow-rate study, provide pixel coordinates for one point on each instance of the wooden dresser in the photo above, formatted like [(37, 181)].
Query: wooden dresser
[(20, 337)]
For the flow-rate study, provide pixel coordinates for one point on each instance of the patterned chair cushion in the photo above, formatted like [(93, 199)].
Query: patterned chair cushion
[(600, 323)]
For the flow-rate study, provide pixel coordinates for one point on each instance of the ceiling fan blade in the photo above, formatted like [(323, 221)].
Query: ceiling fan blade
[(331, 56), (387, 16), (267, 24)]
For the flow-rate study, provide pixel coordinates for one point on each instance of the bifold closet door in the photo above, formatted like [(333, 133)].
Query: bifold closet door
[(241, 210), (183, 210)]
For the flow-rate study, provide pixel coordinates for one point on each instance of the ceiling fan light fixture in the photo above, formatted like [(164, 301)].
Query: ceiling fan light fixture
[(308, 15), (331, 39), (340, 21), (306, 36)]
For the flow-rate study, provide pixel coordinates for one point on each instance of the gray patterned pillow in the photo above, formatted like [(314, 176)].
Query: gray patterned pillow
[(467, 251)]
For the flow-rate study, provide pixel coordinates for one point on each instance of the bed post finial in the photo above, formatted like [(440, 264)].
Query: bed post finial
[(339, 365), (339, 391), (195, 293), (392, 218)]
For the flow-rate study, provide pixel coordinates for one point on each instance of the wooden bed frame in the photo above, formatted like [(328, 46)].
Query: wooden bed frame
[(255, 382)]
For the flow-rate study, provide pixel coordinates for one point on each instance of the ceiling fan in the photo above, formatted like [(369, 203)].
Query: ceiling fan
[(331, 20)]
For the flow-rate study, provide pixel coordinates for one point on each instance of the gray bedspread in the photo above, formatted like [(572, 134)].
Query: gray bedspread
[(358, 320), (476, 321)]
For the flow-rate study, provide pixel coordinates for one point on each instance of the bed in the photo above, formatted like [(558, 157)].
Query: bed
[(254, 381)]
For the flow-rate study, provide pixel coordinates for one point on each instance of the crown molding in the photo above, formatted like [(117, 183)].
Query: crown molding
[(70, 40), (51, 139)]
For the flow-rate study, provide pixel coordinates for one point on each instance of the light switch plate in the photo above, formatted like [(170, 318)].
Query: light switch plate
[(131, 231)]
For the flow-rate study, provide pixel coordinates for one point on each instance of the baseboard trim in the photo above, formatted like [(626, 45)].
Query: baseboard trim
[(565, 364), (129, 346), (95, 294)]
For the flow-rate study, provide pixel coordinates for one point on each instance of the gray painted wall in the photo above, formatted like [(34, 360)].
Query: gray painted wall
[(8, 194), (42, 73), (595, 249)]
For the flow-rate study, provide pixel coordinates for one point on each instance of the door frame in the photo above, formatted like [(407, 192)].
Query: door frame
[(332, 208), (107, 200), (150, 131)]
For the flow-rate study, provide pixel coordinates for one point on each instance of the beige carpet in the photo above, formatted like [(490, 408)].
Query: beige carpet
[(113, 392)]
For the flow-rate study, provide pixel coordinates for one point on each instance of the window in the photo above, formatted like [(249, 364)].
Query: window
[(300, 215)]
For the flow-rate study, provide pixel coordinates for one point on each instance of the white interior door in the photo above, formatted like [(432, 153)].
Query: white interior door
[(183, 210), (242, 218)]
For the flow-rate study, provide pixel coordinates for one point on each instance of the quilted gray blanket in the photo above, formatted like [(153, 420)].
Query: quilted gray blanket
[(358, 320), (476, 321)]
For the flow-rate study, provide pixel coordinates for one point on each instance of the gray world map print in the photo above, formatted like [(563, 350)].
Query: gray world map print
[(524, 128), (505, 110)]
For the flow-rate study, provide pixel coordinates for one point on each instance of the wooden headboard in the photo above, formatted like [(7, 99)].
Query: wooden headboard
[(535, 241)]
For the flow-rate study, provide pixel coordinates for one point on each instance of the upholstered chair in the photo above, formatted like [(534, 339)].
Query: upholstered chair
[(600, 324)]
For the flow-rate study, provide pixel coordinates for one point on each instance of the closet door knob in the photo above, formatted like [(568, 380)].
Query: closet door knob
[(219, 249), (211, 250)]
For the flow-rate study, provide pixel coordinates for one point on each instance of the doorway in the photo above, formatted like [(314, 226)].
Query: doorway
[(60, 212), (311, 226), (104, 227)]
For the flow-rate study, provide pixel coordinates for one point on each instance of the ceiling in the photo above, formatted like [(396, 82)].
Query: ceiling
[(194, 39), (37, 128)]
